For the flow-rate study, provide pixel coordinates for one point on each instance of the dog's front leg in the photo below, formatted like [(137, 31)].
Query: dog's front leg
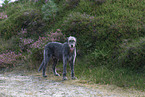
[(72, 62), (72, 69), (64, 67)]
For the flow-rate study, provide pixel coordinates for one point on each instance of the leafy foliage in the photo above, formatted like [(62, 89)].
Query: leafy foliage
[(6, 2), (132, 55), (49, 10), (19, 17)]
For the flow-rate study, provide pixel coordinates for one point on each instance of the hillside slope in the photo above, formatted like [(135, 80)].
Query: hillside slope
[(110, 37)]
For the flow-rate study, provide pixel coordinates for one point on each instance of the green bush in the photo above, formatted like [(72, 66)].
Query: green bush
[(107, 25), (98, 58), (49, 10), (84, 27), (10, 45), (21, 16), (5, 4), (132, 55), (37, 54), (69, 4)]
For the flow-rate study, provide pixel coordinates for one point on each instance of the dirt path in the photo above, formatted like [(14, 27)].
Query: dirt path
[(33, 85)]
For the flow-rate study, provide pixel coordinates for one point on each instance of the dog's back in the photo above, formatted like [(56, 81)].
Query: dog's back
[(56, 49)]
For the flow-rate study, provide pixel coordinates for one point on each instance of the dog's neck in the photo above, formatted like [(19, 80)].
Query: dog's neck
[(71, 49)]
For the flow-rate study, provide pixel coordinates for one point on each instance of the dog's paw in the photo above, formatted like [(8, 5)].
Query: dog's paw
[(57, 74), (64, 78), (73, 78), (44, 75)]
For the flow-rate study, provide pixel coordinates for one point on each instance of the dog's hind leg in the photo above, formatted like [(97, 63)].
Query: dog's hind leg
[(47, 56), (53, 67), (64, 67), (41, 66)]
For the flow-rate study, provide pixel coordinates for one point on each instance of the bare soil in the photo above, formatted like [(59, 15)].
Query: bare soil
[(32, 84)]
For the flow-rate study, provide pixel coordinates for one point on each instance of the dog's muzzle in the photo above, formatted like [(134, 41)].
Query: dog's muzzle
[(72, 47)]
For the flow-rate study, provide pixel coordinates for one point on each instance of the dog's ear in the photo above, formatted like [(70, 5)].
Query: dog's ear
[(75, 39), (67, 39)]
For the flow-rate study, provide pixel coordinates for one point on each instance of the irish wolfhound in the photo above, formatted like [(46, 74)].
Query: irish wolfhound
[(58, 51)]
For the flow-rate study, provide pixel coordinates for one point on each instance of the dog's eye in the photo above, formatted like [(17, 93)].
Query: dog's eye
[(71, 41)]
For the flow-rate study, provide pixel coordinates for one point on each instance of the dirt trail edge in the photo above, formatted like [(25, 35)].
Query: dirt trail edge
[(34, 85)]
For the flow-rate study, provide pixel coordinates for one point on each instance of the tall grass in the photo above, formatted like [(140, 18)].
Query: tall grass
[(105, 75)]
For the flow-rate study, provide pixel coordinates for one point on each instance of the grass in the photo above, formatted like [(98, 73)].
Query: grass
[(104, 75)]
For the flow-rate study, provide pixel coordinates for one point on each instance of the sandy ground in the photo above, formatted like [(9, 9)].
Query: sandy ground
[(34, 85)]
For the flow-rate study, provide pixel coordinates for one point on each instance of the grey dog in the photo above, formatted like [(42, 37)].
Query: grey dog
[(58, 51)]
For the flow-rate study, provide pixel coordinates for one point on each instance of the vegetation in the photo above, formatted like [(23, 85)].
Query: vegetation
[(110, 36), (49, 10)]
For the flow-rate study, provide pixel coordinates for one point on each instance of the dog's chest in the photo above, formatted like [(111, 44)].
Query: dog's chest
[(70, 56)]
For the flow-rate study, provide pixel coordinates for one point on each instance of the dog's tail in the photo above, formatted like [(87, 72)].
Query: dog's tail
[(42, 64)]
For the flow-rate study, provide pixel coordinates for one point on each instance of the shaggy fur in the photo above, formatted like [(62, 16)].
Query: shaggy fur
[(58, 51)]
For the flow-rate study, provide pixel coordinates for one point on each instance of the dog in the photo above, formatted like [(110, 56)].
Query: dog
[(58, 51)]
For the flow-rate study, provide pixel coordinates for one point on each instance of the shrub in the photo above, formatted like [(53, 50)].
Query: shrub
[(132, 55), (51, 37), (11, 44), (21, 16), (9, 59), (98, 57), (107, 25), (5, 4), (69, 4), (2, 16), (86, 28), (49, 10), (98, 1)]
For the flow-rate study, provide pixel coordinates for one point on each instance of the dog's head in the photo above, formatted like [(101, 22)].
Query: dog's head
[(71, 43)]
